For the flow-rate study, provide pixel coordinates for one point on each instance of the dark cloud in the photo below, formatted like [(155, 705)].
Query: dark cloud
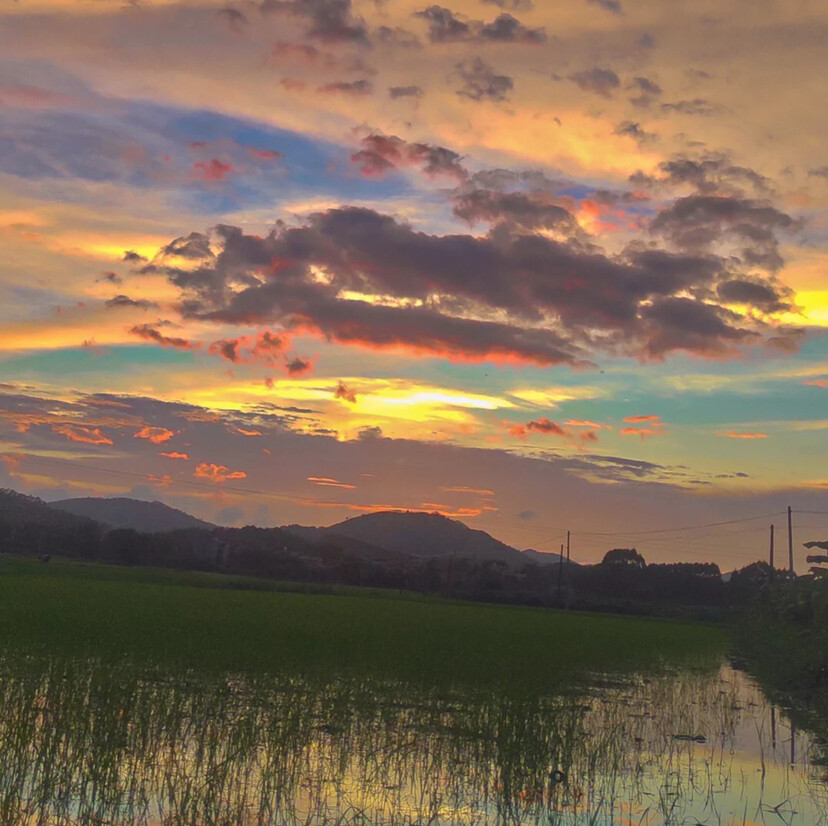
[(645, 91), (126, 301), (511, 294), (633, 130), (132, 257), (297, 366), (599, 81), (369, 432), (613, 6), (345, 393), (111, 277), (532, 210), (698, 222), (236, 20), (696, 106), (397, 38), (819, 172), (395, 92), (481, 83), (381, 153), (347, 87), (150, 332), (527, 515), (709, 174), (444, 26), (508, 29), (512, 5), (329, 21), (754, 292)]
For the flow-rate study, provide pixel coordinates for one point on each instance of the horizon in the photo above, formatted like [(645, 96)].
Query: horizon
[(536, 267)]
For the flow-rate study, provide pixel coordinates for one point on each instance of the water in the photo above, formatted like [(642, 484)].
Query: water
[(90, 743)]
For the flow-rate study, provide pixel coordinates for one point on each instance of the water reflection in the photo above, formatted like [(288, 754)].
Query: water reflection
[(88, 743)]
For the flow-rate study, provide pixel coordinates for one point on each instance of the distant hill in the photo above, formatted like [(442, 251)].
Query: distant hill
[(121, 512), (29, 526), (417, 534), (543, 558)]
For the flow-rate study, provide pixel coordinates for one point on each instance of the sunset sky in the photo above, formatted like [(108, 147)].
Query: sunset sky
[(537, 266)]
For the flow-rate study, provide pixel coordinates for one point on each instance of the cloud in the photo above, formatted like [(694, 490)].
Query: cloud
[(542, 425), (527, 515), (645, 425), (613, 6), (645, 90), (512, 5), (444, 26), (816, 382), (236, 20), (80, 433), (412, 91), (150, 332), (156, 435), (329, 21), (633, 130), (217, 473), (327, 482), (381, 153), (212, 170), (126, 301), (173, 455), (264, 348), (509, 295), (345, 393), (698, 222), (352, 88), (464, 489), (732, 434), (599, 81), (481, 83), (711, 173)]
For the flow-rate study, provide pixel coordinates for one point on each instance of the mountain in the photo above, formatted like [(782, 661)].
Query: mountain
[(146, 517), (29, 526), (544, 558), (417, 534)]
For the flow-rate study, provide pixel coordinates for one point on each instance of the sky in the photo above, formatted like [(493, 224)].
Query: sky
[(538, 266)]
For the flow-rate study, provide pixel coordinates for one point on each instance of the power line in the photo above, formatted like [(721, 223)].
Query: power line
[(684, 527)]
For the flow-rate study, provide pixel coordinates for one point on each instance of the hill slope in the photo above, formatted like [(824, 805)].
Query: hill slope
[(146, 517), (424, 534)]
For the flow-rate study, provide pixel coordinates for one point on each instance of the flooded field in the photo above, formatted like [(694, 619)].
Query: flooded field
[(83, 742)]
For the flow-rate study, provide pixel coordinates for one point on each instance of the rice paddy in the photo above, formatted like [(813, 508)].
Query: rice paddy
[(168, 702)]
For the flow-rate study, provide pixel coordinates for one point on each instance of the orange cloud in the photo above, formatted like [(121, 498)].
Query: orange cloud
[(542, 425), (79, 433), (217, 473), (654, 428), (587, 423), (326, 481), (156, 435), (464, 489), (817, 382), (162, 481), (174, 455), (732, 434)]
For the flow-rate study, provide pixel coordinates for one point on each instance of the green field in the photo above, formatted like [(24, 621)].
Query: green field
[(206, 621)]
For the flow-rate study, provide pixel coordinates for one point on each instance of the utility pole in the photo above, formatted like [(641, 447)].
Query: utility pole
[(790, 546), (560, 572), (567, 548), (771, 552)]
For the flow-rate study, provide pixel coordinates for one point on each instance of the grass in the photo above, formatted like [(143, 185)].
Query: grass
[(207, 621)]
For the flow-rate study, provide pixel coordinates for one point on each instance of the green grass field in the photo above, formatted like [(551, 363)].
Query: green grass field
[(212, 622)]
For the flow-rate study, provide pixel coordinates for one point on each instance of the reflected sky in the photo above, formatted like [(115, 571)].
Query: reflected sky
[(86, 743)]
